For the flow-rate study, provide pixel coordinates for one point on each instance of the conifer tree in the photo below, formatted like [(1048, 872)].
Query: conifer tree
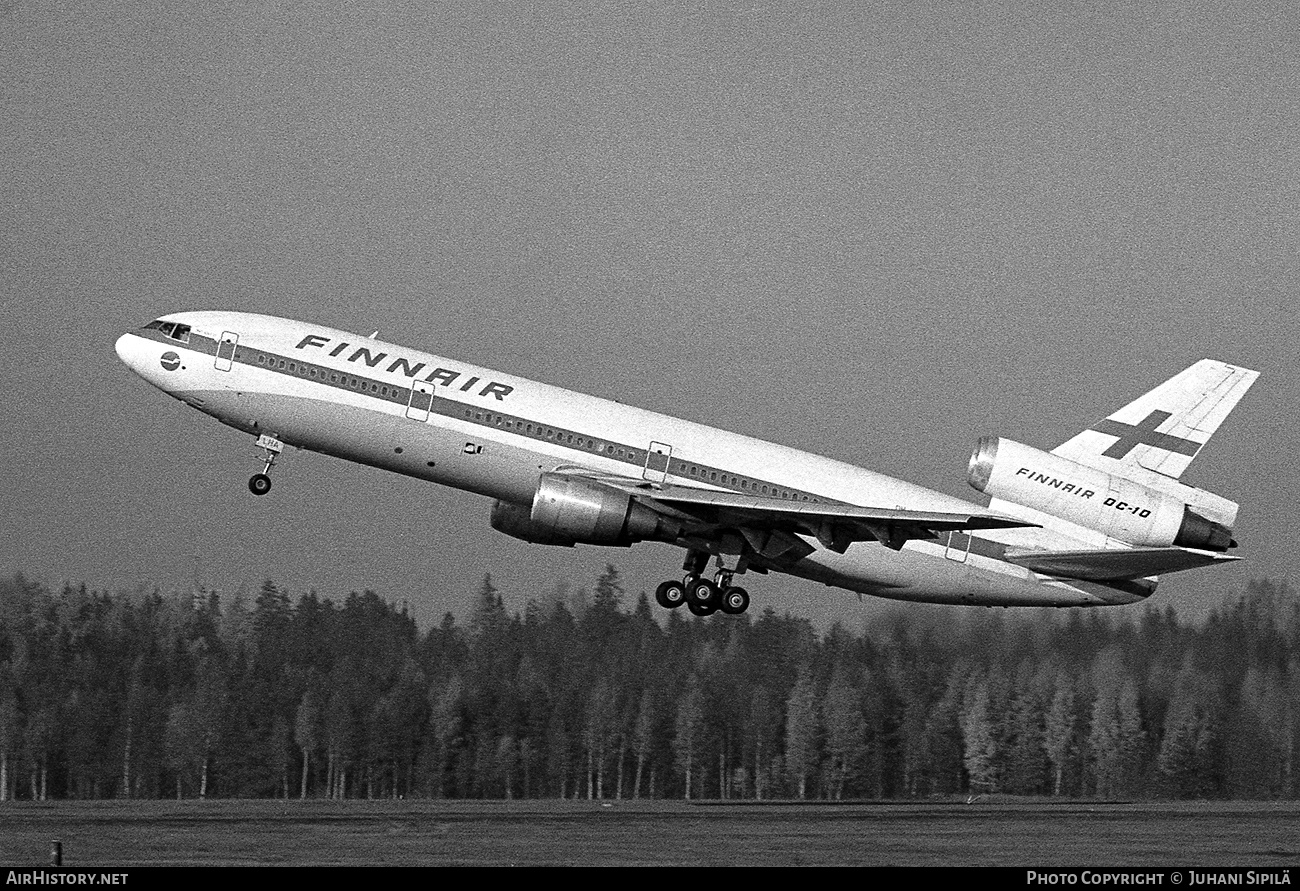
[(1059, 730), (979, 738), (846, 731), (802, 731)]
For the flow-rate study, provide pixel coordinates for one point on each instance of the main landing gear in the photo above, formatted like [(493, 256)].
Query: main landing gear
[(260, 483), (701, 596)]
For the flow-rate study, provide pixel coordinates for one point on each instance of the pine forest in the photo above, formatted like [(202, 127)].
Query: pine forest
[(600, 695)]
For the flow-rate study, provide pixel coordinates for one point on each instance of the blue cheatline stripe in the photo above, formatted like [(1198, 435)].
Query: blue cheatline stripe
[(526, 428), (518, 425)]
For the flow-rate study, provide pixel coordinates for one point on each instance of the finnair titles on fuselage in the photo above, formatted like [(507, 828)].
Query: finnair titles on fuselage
[(1093, 522), (446, 377)]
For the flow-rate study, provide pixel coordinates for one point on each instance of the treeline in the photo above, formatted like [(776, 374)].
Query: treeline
[(148, 696)]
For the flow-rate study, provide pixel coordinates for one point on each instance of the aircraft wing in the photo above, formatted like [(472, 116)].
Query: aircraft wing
[(1115, 564), (836, 526)]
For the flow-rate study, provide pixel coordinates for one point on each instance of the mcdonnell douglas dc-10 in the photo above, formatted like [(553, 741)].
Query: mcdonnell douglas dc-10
[(1093, 522)]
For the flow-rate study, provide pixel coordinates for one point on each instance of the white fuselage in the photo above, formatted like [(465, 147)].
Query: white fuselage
[(492, 433)]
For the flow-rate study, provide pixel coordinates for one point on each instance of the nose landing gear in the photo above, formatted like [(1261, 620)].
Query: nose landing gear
[(260, 483)]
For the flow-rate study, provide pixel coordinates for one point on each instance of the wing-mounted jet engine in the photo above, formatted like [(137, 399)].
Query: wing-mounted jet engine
[(571, 509), (1120, 508)]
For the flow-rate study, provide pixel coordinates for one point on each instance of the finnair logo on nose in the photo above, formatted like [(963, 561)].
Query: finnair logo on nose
[(170, 361)]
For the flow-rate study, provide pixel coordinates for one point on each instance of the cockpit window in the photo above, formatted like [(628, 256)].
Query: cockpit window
[(171, 329)]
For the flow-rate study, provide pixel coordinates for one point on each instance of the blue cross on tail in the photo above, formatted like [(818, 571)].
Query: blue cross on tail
[(1144, 433)]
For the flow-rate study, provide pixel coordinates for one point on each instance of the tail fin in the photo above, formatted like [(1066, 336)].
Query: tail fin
[(1153, 439), (1109, 501), (1164, 430)]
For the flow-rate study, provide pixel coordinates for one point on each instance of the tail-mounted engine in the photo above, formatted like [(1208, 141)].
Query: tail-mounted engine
[(569, 510), (1120, 508)]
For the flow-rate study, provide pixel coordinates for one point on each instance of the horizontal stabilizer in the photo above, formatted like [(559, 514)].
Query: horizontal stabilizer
[(1114, 564)]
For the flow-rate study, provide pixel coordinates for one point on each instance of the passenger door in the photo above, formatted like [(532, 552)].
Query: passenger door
[(226, 350), (420, 401), (656, 462)]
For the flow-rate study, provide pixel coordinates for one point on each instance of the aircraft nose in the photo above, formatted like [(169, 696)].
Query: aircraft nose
[(137, 355), (130, 349)]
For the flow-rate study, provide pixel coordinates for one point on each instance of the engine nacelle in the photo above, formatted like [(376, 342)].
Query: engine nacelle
[(569, 510), (513, 520), (1092, 498)]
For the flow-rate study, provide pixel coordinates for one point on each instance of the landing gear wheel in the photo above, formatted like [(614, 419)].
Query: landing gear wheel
[(734, 601), (704, 593), (700, 609), (260, 483), (670, 595)]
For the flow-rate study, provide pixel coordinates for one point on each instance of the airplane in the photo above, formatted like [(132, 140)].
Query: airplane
[(1093, 522)]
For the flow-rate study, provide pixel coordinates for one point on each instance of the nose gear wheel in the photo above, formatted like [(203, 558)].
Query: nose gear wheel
[(260, 483)]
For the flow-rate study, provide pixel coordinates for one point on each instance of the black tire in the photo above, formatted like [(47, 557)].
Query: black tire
[(703, 592), (259, 484), (735, 601), (700, 609), (670, 595)]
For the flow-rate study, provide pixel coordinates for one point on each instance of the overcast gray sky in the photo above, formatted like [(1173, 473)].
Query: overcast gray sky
[(873, 231)]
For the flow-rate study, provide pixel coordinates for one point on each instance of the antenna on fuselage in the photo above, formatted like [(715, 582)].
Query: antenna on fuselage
[(374, 335)]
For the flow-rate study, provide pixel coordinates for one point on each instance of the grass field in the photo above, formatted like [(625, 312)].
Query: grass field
[(995, 833)]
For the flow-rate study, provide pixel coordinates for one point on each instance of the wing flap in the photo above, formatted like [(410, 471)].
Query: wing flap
[(1114, 564), (835, 525)]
